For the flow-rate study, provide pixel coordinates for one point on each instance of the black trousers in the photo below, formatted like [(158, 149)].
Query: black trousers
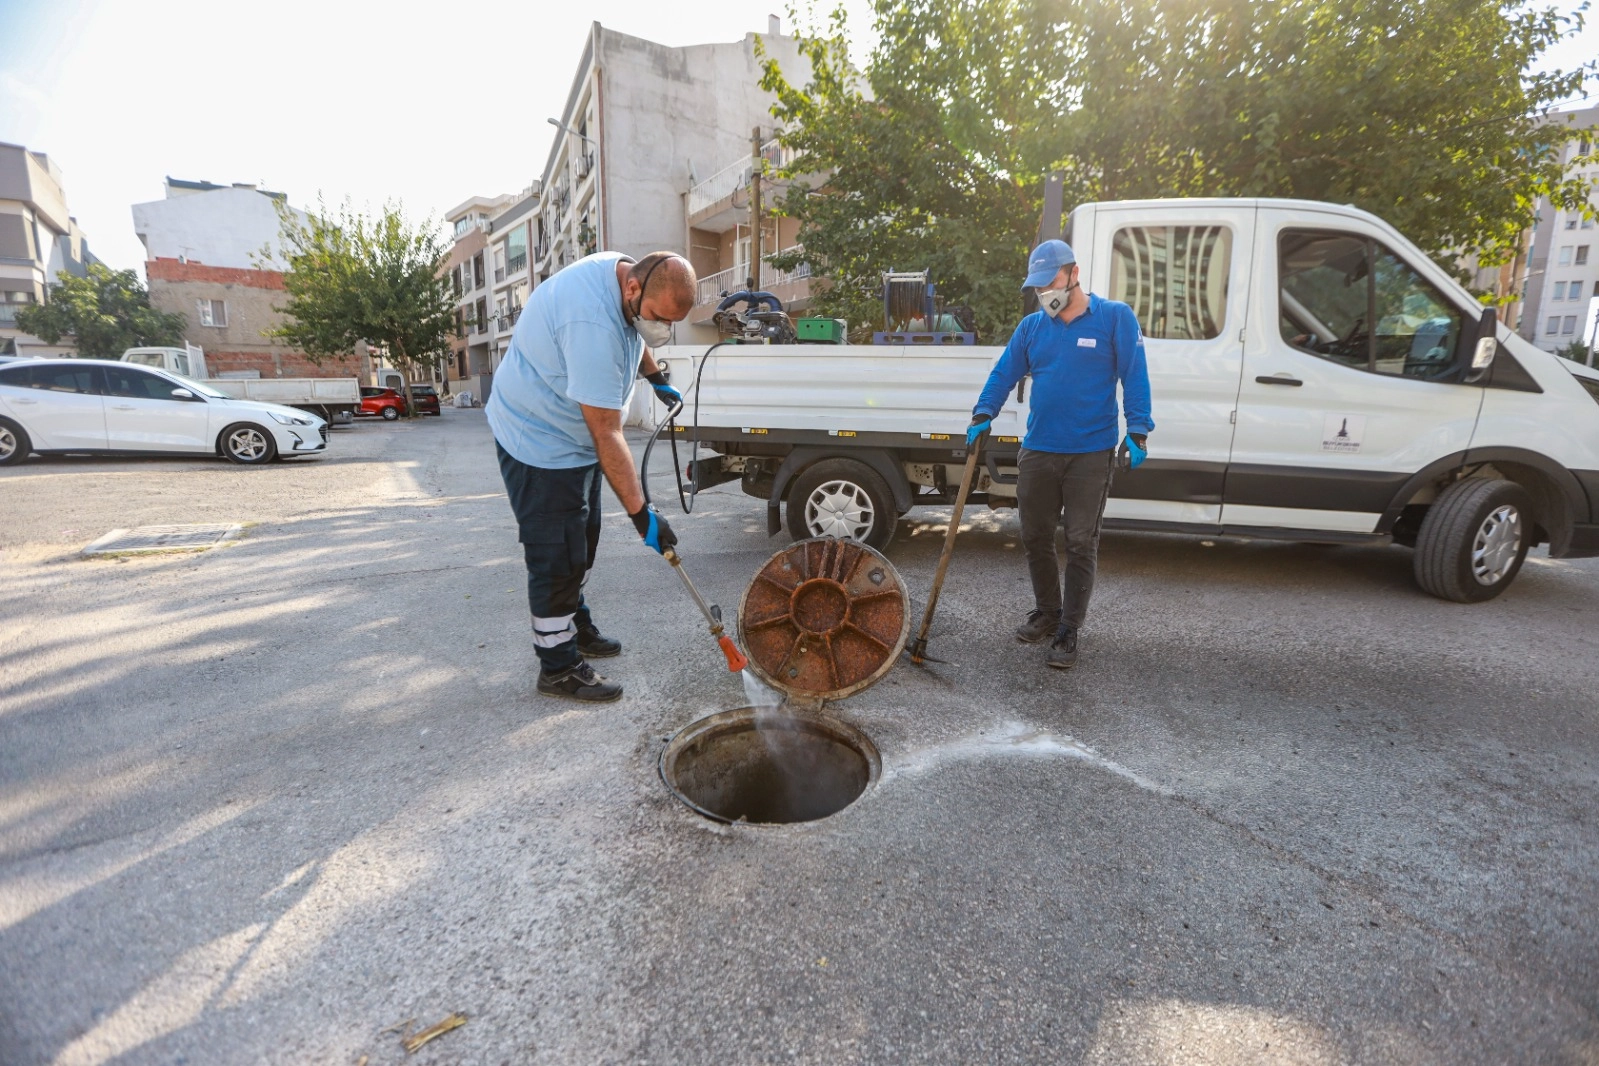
[(1050, 484), (558, 522)]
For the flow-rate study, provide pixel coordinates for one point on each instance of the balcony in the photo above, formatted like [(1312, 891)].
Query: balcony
[(516, 263), (718, 202), (733, 278)]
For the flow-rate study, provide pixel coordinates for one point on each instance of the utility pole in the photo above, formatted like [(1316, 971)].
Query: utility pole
[(755, 210)]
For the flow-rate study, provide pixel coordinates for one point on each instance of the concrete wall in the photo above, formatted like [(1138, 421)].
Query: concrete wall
[(217, 227), (667, 111), (250, 296)]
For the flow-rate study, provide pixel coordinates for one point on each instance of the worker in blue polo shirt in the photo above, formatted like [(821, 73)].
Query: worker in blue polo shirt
[(1077, 347), (556, 412)]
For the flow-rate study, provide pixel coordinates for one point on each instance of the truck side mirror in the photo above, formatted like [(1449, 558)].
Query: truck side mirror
[(1482, 356)]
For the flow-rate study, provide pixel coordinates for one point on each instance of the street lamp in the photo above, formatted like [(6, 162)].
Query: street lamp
[(558, 124)]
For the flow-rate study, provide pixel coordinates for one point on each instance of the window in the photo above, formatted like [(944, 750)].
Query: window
[(1587, 223), (61, 379), (1575, 292), (1565, 255), (477, 271), (1568, 326), (1560, 291), (1174, 278), (1333, 286), (516, 249), (1571, 223), (138, 385), (212, 312), (1553, 325), (1582, 255)]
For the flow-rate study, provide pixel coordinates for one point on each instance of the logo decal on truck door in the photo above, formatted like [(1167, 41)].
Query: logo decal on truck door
[(1343, 433)]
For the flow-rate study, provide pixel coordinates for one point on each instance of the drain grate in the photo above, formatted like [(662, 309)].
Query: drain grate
[(190, 538)]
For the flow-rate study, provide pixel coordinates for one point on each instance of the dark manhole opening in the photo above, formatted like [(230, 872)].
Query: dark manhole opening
[(765, 766)]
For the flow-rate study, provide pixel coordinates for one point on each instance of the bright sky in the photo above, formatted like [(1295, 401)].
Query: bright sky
[(424, 102)]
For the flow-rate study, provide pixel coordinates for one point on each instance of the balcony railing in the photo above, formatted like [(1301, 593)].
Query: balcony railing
[(733, 278), (515, 263), (735, 176)]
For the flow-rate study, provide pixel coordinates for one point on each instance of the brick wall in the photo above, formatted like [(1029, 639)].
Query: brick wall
[(251, 298)]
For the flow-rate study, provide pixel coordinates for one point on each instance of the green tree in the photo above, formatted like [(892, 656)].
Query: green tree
[(1576, 351), (375, 279), (1425, 112), (105, 313)]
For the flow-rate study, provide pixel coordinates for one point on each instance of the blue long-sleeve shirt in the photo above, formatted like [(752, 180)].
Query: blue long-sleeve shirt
[(1075, 367)]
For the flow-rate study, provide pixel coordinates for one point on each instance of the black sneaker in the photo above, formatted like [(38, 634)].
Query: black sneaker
[(581, 683), (1039, 625), (595, 646), (1063, 651)]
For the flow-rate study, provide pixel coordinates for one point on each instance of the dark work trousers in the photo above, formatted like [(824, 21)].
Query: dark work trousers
[(558, 522), (1048, 484)]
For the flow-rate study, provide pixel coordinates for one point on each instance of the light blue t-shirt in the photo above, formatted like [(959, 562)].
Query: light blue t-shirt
[(571, 346)]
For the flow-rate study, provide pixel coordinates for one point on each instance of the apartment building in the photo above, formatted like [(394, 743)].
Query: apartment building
[(472, 365), (643, 124), (38, 241), (1561, 283)]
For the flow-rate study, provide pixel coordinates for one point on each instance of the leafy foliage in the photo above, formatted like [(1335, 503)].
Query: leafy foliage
[(1576, 351), (354, 278), (106, 313), (1425, 112)]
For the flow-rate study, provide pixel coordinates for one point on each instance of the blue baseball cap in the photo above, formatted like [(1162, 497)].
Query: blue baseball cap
[(1046, 261)]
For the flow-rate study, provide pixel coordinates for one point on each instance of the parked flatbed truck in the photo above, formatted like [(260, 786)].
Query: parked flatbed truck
[(1314, 377), (335, 400)]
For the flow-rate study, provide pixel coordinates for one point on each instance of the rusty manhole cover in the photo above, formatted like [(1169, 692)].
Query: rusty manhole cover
[(824, 619), (146, 539)]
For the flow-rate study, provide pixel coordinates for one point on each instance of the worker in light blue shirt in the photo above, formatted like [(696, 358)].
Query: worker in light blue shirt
[(1078, 348), (556, 413)]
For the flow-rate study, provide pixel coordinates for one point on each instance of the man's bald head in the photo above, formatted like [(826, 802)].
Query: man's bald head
[(660, 286)]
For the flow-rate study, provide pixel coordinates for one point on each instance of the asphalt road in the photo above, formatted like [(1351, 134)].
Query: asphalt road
[(262, 804)]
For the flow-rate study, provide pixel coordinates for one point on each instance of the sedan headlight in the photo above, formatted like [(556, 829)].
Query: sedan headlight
[(290, 420)]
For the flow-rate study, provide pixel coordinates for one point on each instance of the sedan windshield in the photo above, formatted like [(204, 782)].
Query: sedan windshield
[(197, 387)]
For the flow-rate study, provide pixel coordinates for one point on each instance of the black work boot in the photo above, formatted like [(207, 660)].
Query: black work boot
[(581, 683), (1063, 652), (594, 645), (1039, 625)]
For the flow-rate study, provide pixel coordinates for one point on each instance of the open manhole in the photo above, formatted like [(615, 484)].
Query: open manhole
[(768, 767), (185, 538)]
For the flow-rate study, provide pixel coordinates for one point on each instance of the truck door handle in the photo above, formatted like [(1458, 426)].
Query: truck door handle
[(123, 407), (1278, 379)]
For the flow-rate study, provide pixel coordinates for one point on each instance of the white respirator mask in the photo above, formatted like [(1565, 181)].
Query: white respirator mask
[(1054, 301), (655, 334)]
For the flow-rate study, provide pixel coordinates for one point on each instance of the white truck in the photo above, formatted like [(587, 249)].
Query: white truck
[(335, 400), (1315, 377)]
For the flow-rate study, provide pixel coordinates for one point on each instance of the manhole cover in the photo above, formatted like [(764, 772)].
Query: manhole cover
[(191, 538), (766, 767), (824, 619)]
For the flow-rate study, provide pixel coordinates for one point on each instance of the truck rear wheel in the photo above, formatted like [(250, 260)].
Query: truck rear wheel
[(842, 498), (1472, 542)]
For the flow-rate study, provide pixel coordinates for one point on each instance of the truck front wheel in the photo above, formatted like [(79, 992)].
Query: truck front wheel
[(1472, 542), (842, 498)]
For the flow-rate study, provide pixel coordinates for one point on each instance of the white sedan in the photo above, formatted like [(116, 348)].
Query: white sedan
[(93, 405)]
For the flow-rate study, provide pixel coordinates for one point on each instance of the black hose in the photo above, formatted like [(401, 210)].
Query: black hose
[(686, 501)]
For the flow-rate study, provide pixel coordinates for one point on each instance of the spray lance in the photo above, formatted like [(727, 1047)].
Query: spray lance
[(713, 614)]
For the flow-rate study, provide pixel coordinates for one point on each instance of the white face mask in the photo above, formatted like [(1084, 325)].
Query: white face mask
[(655, 334), (1054, 301)]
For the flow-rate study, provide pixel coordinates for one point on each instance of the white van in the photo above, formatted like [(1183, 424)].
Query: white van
[(1314, 377)]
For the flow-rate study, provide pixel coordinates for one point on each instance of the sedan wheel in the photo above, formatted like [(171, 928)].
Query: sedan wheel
[(14, 443), (249, 445), (391, 413)]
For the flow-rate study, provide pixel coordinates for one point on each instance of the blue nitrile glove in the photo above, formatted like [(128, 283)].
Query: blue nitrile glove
[(981, 424), (1134, 450), (663, 390), (658, 536)]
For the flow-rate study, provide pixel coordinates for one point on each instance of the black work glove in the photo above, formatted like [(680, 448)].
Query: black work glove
[(658, 536), (663, 389)]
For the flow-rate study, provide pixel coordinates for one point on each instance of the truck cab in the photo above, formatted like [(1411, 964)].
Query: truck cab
[(1314, 376), (188, 360)]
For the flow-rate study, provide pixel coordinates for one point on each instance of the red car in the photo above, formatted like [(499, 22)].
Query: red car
[(385, 402), (426, 399)]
